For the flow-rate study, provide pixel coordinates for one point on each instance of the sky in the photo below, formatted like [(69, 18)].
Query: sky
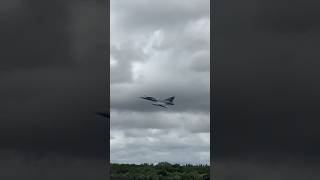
[(265, 94), (54, 77), (160, 49)]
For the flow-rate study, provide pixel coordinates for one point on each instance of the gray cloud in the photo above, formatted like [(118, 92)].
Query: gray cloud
[(190, 121), (121, 61), (155, 145), (140, 15)]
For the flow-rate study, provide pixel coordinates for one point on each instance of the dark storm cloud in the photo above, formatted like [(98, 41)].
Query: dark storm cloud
[(265, 85), (53, 78)]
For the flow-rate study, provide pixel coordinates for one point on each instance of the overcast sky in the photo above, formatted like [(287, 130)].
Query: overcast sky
[(161, 49)]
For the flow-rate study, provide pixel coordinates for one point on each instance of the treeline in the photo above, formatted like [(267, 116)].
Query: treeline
[(160, 171)]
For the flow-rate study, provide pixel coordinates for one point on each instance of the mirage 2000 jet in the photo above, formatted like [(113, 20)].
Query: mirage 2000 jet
[(158, 102)]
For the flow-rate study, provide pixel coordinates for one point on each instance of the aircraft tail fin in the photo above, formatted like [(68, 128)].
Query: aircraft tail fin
[(170, 99)]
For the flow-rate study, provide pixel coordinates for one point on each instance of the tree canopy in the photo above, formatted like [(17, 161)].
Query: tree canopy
[(160, 171)]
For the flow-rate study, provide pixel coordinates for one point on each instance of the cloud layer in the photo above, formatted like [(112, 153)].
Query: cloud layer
[(161, 49)]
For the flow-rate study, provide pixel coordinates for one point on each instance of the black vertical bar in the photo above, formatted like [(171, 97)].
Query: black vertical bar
[(108, 89)]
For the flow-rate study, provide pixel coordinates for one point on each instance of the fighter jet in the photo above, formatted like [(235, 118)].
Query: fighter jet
[(158, 102)]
